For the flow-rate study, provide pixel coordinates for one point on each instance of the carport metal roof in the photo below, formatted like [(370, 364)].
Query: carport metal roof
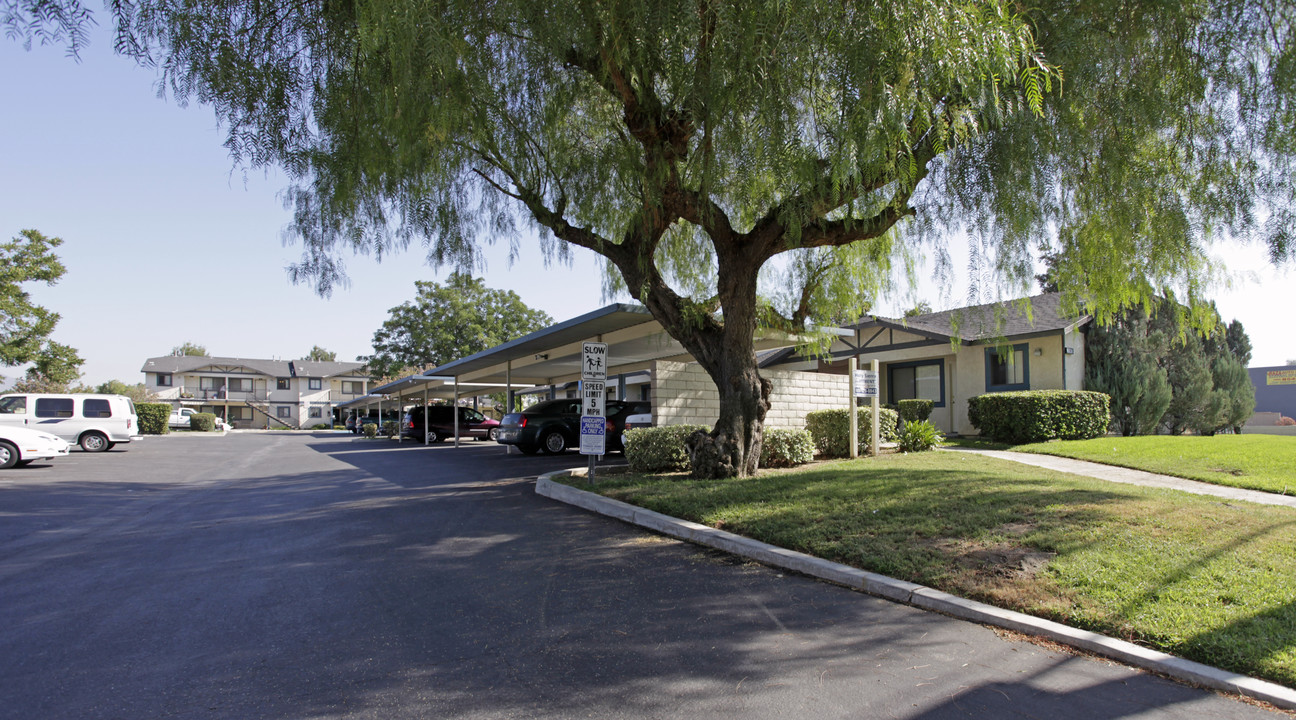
[(436, 386), (553, 355)]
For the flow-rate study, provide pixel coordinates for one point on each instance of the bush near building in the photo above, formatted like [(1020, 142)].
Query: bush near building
[(831, 429), (153, 418), (1039, 415)]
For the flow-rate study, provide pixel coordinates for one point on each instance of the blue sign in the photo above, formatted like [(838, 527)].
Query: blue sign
[(593, 436)]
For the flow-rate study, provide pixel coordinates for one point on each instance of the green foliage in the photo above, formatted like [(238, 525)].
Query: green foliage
[(451, 321), (831, 429), (25, 327), (915, 410), (919, 436), (691, 145), (1123, 360), (390, 428), (153, 418), (659, 449), (136, 392), (321, 426), (786, 448), (319, 354), (370, 430), (190, 349), (1039, 415), (202, 422)]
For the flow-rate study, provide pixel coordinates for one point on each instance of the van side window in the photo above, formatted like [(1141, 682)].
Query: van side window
[(96, 408), (13, 405), (54, 407)]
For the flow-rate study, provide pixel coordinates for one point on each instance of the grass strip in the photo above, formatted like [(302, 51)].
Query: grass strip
[(1254, 462), (1204, 579)]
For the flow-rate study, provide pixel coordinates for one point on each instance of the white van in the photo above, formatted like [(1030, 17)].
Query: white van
[(95, 422)]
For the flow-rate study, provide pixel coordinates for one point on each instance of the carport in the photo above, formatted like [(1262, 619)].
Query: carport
[(552, 356), (426, 387)]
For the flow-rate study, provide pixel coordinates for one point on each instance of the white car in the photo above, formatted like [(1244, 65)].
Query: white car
[(642, 420), (180, 419), (19, 446)]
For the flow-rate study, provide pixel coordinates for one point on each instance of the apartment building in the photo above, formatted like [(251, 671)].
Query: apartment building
[(254, 393)]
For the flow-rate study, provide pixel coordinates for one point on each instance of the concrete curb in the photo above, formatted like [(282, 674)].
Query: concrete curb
[(918, 595)]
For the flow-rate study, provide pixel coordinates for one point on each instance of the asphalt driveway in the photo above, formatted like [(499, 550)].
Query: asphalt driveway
[(328, 576)]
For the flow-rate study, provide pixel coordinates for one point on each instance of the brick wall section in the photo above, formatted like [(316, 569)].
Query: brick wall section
[(683, 394)]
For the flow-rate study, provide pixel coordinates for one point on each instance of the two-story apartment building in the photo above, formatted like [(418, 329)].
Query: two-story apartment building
[(254, 393)]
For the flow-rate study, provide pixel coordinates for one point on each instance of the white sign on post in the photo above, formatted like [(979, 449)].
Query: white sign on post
[(593, 435), (866, 384), (593, 394), (594, 361)]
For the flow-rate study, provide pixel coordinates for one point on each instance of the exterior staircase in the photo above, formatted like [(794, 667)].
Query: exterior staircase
[(264, 408)]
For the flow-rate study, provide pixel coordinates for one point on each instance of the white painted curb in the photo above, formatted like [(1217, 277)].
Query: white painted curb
[(918, 595)]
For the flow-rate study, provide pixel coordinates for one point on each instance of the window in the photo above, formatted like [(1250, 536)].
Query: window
[(240, 413), (96, 408), (1007, 368), (352, 388), (164, 379), (240, 384), (315, 383), (922, 380), (14, 405), (54, 407), (283, 383), (283, 411), (317, 412), (211, 383)]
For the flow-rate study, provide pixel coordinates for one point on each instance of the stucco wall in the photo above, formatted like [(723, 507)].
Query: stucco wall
[(683, 394)]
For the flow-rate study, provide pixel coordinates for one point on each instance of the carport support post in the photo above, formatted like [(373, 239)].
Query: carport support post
[(876, 446), (854, 414), (456, 410), (425, 415)]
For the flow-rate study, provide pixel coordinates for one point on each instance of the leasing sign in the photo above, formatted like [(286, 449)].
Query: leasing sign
[(1280, 377)]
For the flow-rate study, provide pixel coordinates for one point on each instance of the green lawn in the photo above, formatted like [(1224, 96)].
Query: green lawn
[(1209, 580), (1254, 462)]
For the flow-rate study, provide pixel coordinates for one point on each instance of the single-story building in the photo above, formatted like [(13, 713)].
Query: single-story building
[(1275, 391), (952, 355)]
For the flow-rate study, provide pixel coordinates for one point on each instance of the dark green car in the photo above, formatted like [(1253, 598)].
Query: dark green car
[(554, 425)]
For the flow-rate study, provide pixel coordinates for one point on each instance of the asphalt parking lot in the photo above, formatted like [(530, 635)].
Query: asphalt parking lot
[(295, 575)]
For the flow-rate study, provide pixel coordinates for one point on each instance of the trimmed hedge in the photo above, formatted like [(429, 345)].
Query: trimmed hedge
[(831, 429), (369, 429), (781, 447), (915, 410), (153, 418), (202, 422), (1039, 415), (390, 428), (658, 449)]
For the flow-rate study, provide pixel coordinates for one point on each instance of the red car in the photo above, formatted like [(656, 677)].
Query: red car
[(440, 424)]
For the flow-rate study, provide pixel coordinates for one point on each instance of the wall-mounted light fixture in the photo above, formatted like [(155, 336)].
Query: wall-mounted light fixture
[(1039, 352), (1070, 351), (542, 356)]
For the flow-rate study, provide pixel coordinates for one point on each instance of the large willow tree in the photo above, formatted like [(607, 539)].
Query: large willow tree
[(702, 147)]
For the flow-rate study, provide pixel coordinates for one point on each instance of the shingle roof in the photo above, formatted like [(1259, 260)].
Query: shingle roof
[(272, 368), (992, 320)]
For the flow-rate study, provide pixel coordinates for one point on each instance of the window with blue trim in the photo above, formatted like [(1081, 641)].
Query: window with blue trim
[(1007, 368), (920, 380)]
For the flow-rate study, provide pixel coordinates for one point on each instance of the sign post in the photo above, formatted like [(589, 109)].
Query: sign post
[(593, 423), (854, 413), (865, 383), (877, 440)]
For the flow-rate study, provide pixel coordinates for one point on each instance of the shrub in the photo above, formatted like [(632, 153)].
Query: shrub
[(370, 430), (1285, 421), (915, 410), (202, 422), (1039, 415), (153, 418), (785, 448), (831, 429), (321, 426), (919, 436), (659, 449)]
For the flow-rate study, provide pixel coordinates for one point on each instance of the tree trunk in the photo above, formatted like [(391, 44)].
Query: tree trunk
[(733, 447)]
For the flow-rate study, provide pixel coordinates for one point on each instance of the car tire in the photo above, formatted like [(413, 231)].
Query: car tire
[(493, 435), (8, 455), (553, 442), (23, 463), (94, 442), (433, 436)]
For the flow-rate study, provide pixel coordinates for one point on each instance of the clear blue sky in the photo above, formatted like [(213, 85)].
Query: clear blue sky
[(166, 241)]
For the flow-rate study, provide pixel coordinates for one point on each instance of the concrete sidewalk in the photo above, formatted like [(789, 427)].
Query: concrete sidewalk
[(1133, 477)]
